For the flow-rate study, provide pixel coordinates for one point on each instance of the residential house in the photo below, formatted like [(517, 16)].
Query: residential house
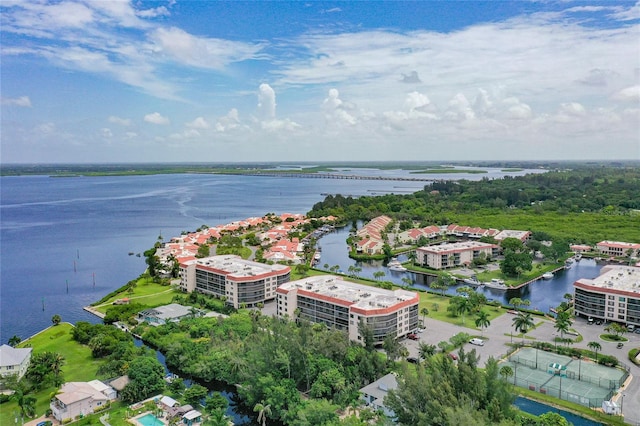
[(14, 361), (374, 393), (167, 313), (78, 399)]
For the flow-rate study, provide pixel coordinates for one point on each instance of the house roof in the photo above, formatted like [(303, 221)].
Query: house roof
[(192, 415), (119, 383), (13, 356), (168, 401), (73, 392), (380, 387)]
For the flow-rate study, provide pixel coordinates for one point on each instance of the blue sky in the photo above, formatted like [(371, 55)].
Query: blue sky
[(176, 81)]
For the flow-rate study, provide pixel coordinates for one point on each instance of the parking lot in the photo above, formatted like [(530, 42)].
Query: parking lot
[(497, 336)]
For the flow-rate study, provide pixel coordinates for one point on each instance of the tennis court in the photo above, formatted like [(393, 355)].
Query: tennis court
[(576, 380)]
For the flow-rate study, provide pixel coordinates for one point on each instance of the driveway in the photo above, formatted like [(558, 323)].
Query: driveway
[(496, 345)]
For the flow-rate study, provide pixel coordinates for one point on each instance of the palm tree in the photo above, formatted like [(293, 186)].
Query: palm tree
[(463, 306), (424, 312), (56, 319), (482, 321), (426, 350), (506, 372), (378, 274), (57, 362), (523, 322), (563, 322), (595, 346), (408, 281), (14, 341), (263, 411)]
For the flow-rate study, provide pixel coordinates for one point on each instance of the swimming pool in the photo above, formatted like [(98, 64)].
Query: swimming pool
[(149, 420)]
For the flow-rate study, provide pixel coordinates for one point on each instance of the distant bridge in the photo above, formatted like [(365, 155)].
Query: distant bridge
[(330, 176)]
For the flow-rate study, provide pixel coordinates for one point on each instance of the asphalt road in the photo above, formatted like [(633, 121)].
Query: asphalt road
[(496, 345)]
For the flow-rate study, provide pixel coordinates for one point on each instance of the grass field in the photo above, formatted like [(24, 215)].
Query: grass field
[(56, 339), (145, 292)]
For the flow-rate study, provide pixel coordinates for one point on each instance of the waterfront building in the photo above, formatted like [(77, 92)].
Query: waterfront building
[(371, 239), (172, 312), (580, 248), (411, 236), (341, 305), (454, 254), (470, 232), (618, 248), (510, 233), (612, 296), (241, 282), (14, 361), (79, 399)]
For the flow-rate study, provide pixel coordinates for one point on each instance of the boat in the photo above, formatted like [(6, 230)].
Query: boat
[(547, 275), (496, 283), (395, 265), (578, 256), (473, 281)]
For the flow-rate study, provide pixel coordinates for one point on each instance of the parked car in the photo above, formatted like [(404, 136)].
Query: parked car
[(476, 341), (598, 322), (453, 356), (412, 336), (620, 345), (412, 360)]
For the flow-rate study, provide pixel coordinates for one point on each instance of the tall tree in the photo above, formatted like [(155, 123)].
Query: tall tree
[(56, 319), (424, 312), (523, 322), (482, 320), (595, 346)]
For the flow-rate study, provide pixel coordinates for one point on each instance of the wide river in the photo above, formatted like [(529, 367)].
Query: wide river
[(66, 242)]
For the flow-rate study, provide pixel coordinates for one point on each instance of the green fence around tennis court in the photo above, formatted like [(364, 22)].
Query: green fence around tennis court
[(576, 380)]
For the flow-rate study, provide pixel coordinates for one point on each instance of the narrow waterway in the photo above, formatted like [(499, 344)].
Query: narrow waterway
[(542, 294)]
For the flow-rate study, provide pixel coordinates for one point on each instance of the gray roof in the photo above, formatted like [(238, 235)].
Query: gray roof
[(380, 387), (170, 311), (13, 356)]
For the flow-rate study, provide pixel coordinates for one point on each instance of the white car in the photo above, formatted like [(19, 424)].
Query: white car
[(478, 342)]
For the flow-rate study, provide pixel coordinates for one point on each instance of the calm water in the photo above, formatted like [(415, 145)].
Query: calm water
[(76, 233), (543, 294)]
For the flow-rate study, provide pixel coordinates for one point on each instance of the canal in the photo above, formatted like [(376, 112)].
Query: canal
[(542, 294)]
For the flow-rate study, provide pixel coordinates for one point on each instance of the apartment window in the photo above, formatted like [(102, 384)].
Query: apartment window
[(610, 315), (611, 303), (610, 309), (621, 311), (611, 297), (621, 317), (622, 299)]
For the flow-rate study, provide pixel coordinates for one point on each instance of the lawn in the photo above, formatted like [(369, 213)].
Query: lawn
[(430, 300), (56, 339), (146, 292)]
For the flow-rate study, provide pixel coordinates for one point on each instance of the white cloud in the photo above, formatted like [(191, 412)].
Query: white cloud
[(228, 122), (186, 49), (266, 102), (106, 133), (22, 101), (628, 14), (121, 121), (336, 111), (156, 118), (198, 123), (628, 94), (153, 12)]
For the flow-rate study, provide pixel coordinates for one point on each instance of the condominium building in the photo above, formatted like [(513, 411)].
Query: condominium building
[(241, 282), (454, 254), (612, 296), (341, 305), (618, 248)]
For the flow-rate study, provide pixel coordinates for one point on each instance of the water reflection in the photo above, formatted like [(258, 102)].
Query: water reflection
[(542, 294)]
